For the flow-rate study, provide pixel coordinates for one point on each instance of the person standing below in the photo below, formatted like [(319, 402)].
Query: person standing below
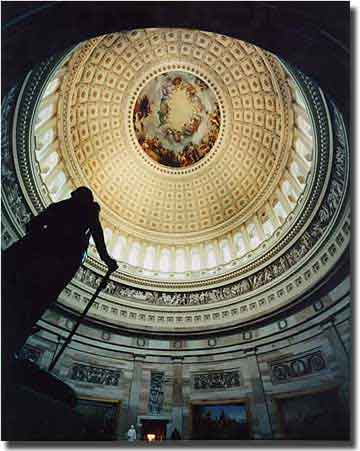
[(131, 434)]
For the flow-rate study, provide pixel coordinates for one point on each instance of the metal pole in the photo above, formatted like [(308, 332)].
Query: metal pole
[(84, 313)]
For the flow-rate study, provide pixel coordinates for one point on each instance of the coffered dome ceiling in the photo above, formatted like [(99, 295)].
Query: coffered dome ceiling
[(221, 173), (212, 149), (188, 141)]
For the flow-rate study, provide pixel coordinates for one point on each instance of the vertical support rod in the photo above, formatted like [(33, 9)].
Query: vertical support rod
[(77, 325)]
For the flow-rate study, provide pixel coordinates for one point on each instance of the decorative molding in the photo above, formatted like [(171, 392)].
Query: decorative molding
[(12, 198), (30, 353), (26, 166), (286, 370)]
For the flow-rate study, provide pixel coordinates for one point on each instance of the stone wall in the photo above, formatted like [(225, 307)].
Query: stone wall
[(301, 354)]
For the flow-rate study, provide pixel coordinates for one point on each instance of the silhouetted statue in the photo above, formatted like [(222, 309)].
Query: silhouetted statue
[(175, 435), (39, 266)]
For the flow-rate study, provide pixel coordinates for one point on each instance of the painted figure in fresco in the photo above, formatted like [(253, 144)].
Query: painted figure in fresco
[(142, 108), (185, 144), (39, 266)]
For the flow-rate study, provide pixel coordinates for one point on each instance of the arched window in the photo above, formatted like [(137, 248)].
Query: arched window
[(149, 259), (298, 172), (45, 138), (165, 260), (280, 211), (289, 193), (134, 254), (225, 250), (180, 260), (48, 164), (118, 249), (254, 238), (303, 150), (195, 259), (52, 87), (45, 114), (210, 256), (107, 236), (268, 227), (303, 125), (298, 97), (57, 183), (239, 244)]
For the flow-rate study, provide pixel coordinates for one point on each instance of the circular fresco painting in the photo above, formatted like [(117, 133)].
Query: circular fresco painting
[(176, 119)]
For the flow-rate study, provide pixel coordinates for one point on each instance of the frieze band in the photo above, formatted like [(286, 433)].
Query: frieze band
[(223, 379), (286, 370), (95, 375)]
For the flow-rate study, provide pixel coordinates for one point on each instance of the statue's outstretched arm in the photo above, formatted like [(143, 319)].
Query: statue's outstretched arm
[(98, 236)]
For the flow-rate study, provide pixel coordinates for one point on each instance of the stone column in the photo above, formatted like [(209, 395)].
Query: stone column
[(246, 237), (188, 266), (141, 256), (50, 123), (301, 162), (134, 392), (203, 259), (232, 246), (295, 185), (64, 191), (300, 111), (218, 253), (272, 216), (259, 229), (177, 396), (125, 250), (156, 263), (342, 358), (338, 347), (260, 416), (124, 396), (283, 200), (52, 98), (304, 139), (173, 259), (44, 152)]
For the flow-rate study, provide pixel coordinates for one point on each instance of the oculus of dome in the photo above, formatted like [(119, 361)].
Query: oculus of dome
[(176, 119)]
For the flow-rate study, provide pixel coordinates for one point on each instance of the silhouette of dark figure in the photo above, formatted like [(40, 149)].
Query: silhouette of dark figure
[(175, 435), (39, 266)]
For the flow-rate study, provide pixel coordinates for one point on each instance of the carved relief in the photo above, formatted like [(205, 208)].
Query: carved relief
[(216, 380), (30, 353), (9, 180), (95, 375), (286, 370), (156, 397)]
